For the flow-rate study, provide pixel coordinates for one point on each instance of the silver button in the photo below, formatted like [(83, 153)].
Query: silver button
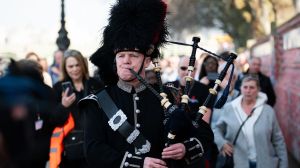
[(73, 138), (126, 164), (136, 98), (137, 111), (129, 155), (138, 125)]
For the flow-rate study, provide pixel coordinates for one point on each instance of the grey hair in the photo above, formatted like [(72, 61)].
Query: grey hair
[(251, 77)]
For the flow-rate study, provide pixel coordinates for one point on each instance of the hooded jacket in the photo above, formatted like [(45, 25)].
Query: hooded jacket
[(266, 141)]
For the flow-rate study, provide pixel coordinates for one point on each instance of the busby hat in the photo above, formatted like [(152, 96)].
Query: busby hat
[(134, 25)]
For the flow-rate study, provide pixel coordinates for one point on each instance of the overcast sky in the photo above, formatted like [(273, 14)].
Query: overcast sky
[(32, 25)]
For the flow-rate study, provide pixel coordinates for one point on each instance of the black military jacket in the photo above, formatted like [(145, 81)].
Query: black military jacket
[(107, 148)]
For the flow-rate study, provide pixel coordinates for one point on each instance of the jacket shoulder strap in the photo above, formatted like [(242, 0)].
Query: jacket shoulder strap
[(117, 120)]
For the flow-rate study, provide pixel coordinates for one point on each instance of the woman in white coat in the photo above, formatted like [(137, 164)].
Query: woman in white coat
[(260, 143)]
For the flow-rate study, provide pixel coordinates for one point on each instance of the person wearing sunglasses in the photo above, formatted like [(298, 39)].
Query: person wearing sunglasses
[(198, 91)]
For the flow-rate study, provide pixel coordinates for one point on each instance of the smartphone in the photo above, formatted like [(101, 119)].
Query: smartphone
[(212, 75), (66, 85)]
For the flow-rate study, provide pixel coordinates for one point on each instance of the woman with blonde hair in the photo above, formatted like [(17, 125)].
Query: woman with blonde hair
[(74, 85)]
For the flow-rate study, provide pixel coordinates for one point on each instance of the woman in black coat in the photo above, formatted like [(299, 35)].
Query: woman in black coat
[(74, 72)]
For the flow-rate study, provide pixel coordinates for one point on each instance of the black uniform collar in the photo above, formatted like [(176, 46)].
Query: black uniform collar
[(128, 88)]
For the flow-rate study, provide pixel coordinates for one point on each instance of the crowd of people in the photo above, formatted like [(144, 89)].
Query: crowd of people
[(63, 116)]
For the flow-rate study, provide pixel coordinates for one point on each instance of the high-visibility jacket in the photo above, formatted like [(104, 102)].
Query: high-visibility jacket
[(56, 143)]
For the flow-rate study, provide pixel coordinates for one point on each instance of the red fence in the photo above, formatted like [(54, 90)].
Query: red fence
[(282, 63)]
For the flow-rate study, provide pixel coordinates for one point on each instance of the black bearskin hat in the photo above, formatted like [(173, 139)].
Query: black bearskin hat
[(134, 25)]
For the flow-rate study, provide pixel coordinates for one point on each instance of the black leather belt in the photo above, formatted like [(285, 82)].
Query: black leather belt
[(118, 122)]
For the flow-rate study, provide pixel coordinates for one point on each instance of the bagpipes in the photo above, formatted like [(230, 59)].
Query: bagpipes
[(176, 116)]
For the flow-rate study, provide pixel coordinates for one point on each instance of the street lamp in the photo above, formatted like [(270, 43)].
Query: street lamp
[(63, 41)]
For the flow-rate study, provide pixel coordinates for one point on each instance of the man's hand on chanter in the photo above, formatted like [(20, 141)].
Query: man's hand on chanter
[(174, 151)]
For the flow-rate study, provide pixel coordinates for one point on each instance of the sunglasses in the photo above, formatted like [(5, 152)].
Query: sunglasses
[(184, 68)]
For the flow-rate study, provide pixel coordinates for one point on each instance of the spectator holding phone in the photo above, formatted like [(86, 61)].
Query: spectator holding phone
[(208, 75), (74, 84), (209, 70)]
